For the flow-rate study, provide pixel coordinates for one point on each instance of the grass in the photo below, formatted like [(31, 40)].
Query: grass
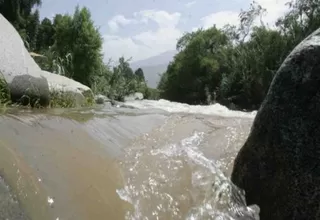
[(70, 100), (62, 100), (57, 99), (5, 98), (89, 98)]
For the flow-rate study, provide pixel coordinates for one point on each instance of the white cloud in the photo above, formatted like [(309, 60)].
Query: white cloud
[(164, 38), (275, 9), (189, 4), (119, 21), (220, 19), (162, 18), (148, 43)]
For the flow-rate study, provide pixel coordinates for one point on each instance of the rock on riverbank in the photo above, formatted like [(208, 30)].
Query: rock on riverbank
[(26, 81), (278, 166), (68, 89)]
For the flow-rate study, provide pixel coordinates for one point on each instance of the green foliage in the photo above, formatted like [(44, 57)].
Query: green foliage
[(70, 45), (45, 36), (62, 100), (120, 81), (4, 92), (52, 62), (20, 14), (78, 37), (152, 94), (139, 74), (198, 66), (235, 65)]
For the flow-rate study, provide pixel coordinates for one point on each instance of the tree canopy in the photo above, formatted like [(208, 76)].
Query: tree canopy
[(235, 65), (71, 45)]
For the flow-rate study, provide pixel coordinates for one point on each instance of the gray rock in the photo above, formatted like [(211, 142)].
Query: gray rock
[(101, 99), (16, 65), (279, 164), (27, 89), (138, 96), (68, 88), (134, 96)]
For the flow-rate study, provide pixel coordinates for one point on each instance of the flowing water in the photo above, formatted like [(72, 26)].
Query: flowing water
[(158, 160)]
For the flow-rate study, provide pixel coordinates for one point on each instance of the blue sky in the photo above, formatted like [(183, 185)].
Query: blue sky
[(144, 28)]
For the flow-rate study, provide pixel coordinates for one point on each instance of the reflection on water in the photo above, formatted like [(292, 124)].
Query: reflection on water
[(110, 163)]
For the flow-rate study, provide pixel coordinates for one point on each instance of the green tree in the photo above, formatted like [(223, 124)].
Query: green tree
[(236, 64), (125, 69), (32, 29), (196, 70), (78, 37), (19, 14), (86, 47), (45, 37), (139, 74)]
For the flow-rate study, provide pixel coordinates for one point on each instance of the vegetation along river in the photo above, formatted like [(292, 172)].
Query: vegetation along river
[(158, 160)]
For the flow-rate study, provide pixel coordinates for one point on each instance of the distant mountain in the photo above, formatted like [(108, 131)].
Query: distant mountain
[(152, 74), (154, 66)]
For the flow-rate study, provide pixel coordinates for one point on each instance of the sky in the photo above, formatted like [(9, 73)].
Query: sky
[(139, 29)]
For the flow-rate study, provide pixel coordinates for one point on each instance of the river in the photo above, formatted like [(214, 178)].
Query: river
[(158, 160)]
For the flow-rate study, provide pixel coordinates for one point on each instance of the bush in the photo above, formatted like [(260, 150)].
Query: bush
[(4, 92)]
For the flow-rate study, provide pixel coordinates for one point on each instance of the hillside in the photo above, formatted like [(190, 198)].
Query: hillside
[(154, 66)]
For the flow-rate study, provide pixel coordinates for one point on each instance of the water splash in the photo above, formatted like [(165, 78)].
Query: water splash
[(175, 107), (178, 182), (9, 206)]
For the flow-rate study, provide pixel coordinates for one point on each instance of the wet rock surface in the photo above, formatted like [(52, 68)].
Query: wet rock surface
[(278, 166)]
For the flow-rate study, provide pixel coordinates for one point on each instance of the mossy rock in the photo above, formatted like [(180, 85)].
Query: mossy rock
[(61, 99)]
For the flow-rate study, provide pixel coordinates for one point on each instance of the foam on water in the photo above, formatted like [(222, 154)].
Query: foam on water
[(175, 107), (9, 206), (181, 183)]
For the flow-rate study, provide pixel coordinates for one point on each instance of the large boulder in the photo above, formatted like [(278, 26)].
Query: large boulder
[(27, 83), (279, 164), (19, 70), (66, 88), (28, 89)]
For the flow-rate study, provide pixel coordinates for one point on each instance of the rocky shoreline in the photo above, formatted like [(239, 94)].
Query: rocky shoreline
[(27, 84)]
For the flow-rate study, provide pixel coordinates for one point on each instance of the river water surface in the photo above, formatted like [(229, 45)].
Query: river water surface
[(157, 160)]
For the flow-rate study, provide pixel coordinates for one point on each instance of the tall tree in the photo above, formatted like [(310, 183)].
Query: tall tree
[(32, 29), (236, 64), (17, 12), (125, 69), (45, 37), (139, 74), (196, 70), (78, 36), (87, 46)]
